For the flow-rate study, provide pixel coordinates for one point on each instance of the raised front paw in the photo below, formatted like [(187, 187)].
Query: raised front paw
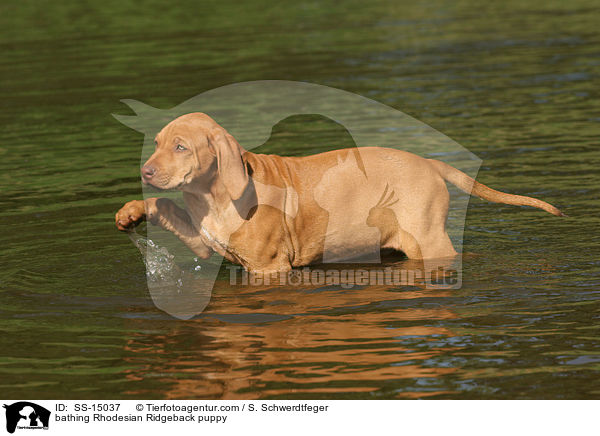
[(130, 215)]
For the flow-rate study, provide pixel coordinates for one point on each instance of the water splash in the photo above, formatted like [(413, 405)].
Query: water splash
[(160, 264), (180, 292)]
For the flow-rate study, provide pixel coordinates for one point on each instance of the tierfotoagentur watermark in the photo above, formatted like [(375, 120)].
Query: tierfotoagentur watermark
[(346, 278)]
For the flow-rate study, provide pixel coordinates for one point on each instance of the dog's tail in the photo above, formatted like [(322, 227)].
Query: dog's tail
[(473, 187)]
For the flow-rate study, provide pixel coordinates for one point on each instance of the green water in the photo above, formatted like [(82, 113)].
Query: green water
[(516, 83)]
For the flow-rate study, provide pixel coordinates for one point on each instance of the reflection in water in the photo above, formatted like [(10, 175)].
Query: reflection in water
[(270, 342)]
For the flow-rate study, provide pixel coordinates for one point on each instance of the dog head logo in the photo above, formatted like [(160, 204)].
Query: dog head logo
[(248, 111), (26, 415)]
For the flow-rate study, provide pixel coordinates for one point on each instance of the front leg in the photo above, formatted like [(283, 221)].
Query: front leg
[(165, 213)]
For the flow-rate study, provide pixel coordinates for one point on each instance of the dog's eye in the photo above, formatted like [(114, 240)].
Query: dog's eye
[(180, 147)]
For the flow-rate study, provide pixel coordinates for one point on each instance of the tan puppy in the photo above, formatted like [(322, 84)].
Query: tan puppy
[(271, 213)]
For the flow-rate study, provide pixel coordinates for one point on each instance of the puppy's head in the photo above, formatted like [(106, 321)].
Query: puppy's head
[(193, 150)]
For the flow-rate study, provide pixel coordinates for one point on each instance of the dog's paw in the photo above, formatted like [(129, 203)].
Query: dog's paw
[(130, 215)]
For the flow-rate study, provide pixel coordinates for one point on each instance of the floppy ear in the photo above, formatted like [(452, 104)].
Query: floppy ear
[(231, 167)]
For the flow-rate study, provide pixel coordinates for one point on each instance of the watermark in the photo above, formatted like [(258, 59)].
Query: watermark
[(25, 415), (346, 278), (346, 208), (274, 417)]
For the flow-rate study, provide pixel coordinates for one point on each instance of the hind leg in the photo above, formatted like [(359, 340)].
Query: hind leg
[(427, 223), (423, 240), (406, 243), (429, 246)]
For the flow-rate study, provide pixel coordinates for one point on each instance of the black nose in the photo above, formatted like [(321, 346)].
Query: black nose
[(148, 171)]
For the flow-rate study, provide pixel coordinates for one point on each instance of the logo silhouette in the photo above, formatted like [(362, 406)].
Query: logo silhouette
[(383, 217), (248, 111), (27, 415)]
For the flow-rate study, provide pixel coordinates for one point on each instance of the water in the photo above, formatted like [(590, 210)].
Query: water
[(160, 264), (514, 83)]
